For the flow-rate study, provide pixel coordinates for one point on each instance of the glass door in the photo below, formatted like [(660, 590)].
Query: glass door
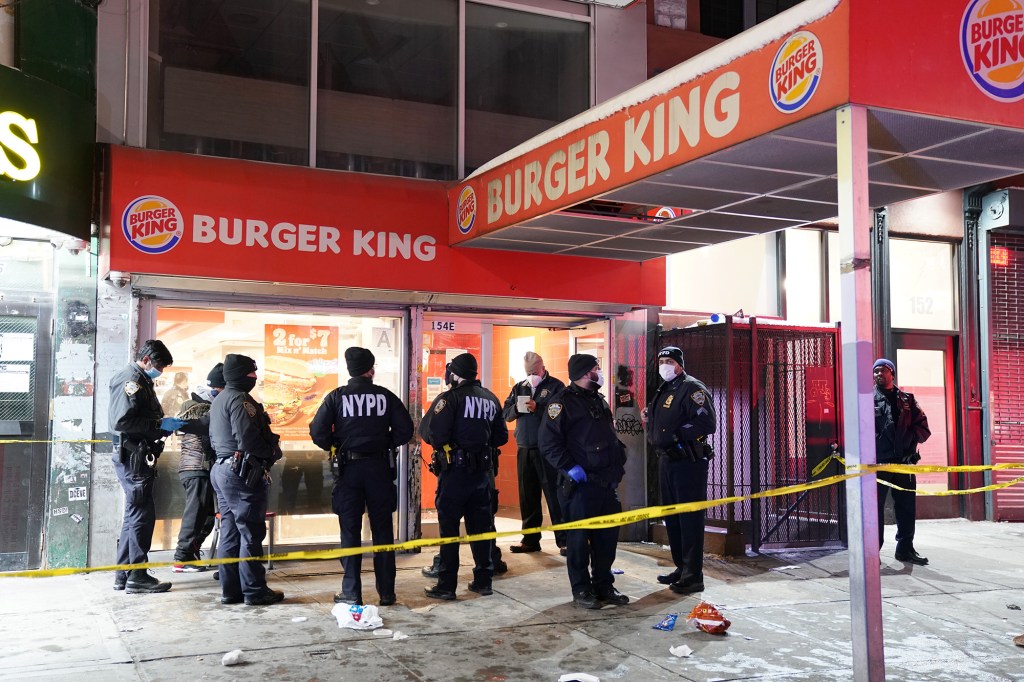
[(924, 367)]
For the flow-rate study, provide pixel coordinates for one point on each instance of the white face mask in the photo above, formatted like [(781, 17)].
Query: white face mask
[(667, 372), (600, 379), (534, 380)]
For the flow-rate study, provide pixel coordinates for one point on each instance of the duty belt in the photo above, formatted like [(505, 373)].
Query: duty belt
[(352, 455)]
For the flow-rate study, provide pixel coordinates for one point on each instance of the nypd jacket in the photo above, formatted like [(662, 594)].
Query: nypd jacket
[(361, 417), (466, 417), (578, 429), (134, 411), (528, 423), (197, 454), (680, 411), (239, 423), (898, 433)]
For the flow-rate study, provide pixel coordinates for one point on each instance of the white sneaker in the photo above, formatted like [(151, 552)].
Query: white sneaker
[(183, 568)]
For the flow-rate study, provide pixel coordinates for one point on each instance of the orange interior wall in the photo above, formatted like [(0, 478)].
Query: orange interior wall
[(553, 346)]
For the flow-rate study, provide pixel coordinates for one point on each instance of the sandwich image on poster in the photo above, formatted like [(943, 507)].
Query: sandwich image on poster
[(300, 368)]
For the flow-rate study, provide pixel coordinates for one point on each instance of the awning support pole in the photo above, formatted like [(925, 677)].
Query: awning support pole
[(855, 220)]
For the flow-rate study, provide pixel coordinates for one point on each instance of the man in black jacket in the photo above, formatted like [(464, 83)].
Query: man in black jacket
[(526, 404), (363, 424), (139, 427), (246, 448), (578, 439), (465, 428), (900, 426), (679, 418), (197, 456)]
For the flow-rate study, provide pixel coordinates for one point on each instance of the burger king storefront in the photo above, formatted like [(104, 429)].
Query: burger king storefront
[(291, 266)]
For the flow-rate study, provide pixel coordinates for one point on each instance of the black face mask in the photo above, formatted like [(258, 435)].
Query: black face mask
[(245, 384), (448, 374)]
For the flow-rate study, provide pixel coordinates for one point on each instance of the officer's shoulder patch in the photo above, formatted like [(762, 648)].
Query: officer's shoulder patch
[(668, 400), (554, 409), (698, 397), (131, 387), (250, 409), (440, 406)]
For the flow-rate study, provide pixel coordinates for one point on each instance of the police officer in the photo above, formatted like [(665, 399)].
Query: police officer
[(465, 428), (197, 457), (678, 419), (525, 405), (363, 424), (900, 426), (139, 426), (246, 448), (577, 437)]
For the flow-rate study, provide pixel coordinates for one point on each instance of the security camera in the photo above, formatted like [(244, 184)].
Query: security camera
[(75, 246), (120, 279)]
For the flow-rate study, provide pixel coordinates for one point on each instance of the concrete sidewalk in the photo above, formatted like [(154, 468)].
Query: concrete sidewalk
[(952, 620)]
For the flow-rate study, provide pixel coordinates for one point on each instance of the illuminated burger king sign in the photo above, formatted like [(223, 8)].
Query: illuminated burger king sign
[(992, 47), (796, 72), (466, 209), (152, 224)]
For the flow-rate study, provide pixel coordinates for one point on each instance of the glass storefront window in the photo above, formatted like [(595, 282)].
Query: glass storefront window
[(387, 87), (300, 361), (723, 278), (803, 276), (921, 281), (525, 73), (231, 79)]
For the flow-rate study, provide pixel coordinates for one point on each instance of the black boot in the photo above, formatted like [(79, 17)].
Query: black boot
[(434, 569), (141, 582)]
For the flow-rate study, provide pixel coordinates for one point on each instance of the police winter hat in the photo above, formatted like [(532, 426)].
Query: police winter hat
[(464, 366), (882, 362), (358, 360), (533, 363), (580, 364), (215, 379), (672, 352), (237, 366)]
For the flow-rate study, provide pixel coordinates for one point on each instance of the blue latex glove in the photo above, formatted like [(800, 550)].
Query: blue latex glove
[(577, 474), (171, 423)]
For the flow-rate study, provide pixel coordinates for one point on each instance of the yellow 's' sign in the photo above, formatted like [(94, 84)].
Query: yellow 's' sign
[(18, 158)]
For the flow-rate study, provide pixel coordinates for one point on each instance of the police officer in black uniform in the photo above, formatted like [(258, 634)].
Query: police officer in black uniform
[(578, 438), (900, 426), (535, 474), (246, 448), (138, 425), (679, 418), (465, 427), (363, 424)]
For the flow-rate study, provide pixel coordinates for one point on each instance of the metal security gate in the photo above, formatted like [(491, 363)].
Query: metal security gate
[(775, 390)]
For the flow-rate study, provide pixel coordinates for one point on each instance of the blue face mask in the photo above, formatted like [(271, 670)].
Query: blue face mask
[(214, 392), (154, 373)]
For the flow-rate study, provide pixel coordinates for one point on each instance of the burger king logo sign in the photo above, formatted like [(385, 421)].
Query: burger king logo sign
[(992, 47), (796, 72), (466, 209), (152, 224)]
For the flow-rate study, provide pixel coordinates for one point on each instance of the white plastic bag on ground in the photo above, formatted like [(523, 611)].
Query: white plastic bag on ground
[(357, 617)]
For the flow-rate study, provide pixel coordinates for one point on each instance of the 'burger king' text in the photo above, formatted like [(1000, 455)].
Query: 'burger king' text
[(283, 236)]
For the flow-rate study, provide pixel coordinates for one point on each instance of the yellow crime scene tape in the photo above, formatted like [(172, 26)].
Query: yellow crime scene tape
[(608, 521), (57, 440)]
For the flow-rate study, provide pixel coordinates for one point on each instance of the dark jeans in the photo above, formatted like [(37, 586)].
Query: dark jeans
[(139, 517), (590, 553), (197, 519), (904, 505), (536, 475), (366, 484), (683, 480), (243, 527), (464, 494)]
